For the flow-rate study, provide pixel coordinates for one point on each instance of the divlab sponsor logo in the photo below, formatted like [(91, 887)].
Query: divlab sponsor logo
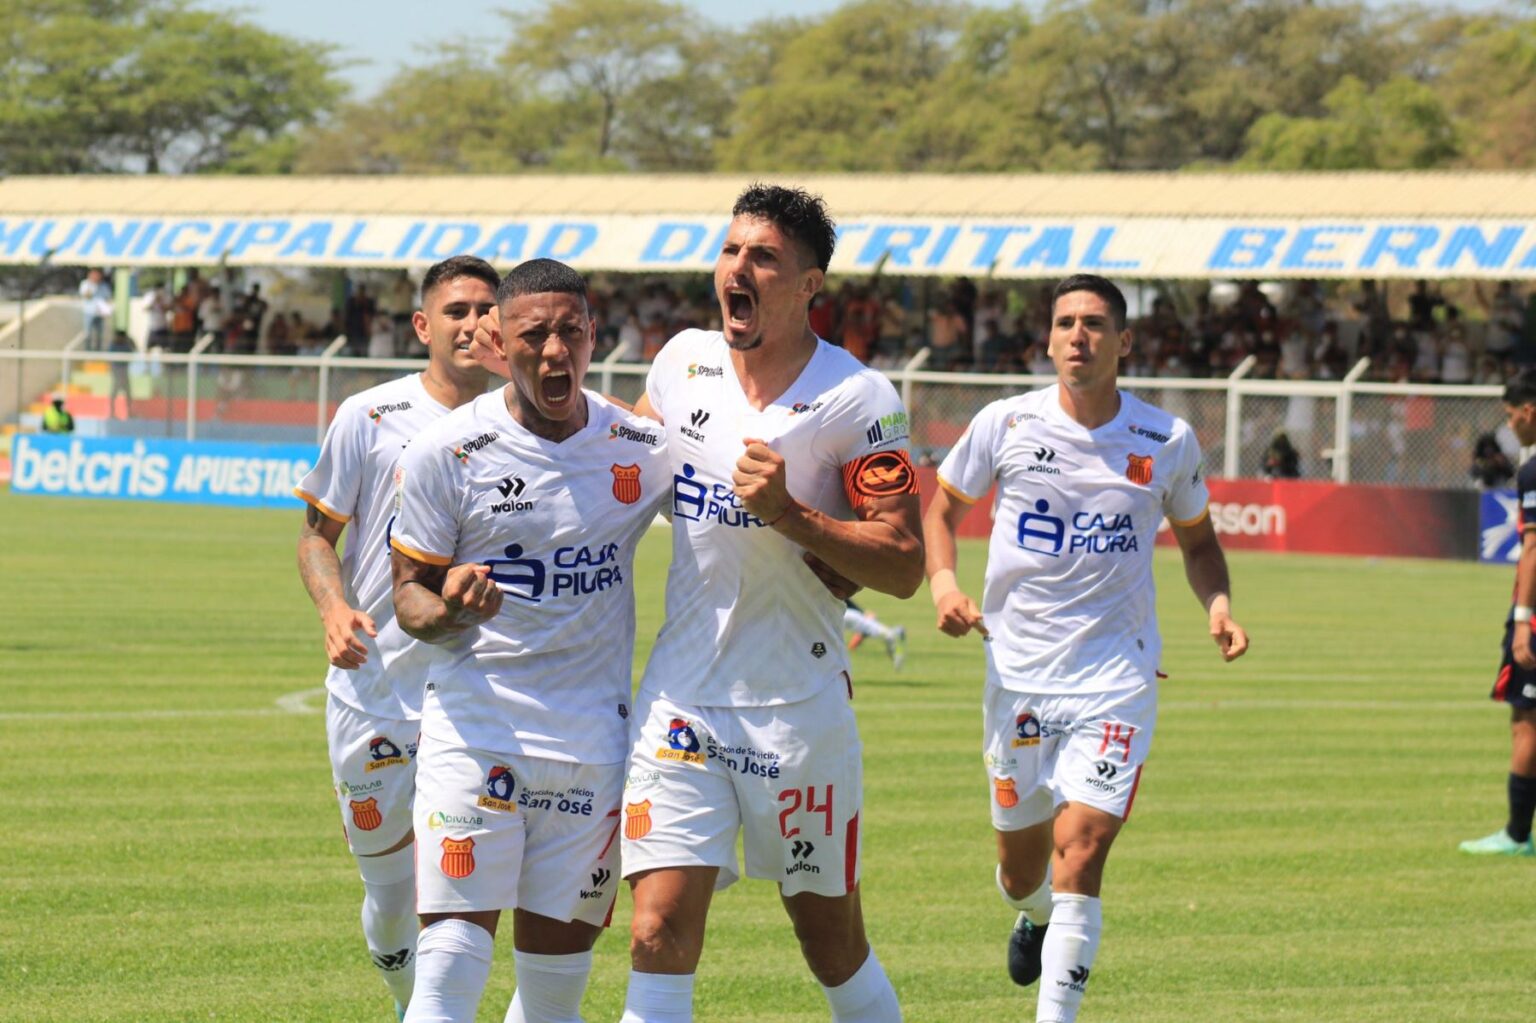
[(185, 472)]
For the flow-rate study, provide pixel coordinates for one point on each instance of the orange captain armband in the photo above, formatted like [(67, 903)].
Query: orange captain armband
[(882, 474)]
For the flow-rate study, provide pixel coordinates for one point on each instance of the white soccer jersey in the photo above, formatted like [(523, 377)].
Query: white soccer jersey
[(1069, 598), (353, 482), (558, 524), (747, 622)]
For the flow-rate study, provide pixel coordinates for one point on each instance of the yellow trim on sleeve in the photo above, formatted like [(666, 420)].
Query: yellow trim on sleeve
[(422, 556), (1205, 513), (319, 505), (956, 494)]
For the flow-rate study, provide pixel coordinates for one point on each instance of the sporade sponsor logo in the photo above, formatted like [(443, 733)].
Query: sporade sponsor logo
[(1142, 431), (696, 370), (380, 411), (469, 447), (618, 431)]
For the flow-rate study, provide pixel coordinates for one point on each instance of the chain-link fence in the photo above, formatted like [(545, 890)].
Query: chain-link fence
[(1347, 431)]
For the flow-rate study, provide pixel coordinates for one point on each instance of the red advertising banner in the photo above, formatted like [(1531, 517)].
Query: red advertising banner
[(1317, 517)]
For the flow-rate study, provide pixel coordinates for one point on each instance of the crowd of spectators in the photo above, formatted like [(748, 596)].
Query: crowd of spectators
[(1301, 331)]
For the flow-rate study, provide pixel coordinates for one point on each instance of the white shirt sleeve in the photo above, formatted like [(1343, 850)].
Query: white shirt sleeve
[(1187, 497), (333, 484), (970, 468), (428, 496)]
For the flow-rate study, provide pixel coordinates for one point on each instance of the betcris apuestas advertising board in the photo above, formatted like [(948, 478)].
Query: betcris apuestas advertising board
[(185, 472)]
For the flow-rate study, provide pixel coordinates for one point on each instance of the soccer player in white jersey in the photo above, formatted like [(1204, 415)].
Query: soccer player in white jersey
[(515, 532), (376, 674), (780, 444), (1084, 474)]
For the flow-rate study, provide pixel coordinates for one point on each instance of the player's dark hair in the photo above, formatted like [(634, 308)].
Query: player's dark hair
[(796, 212), (541, 277), (1100, 286), (454, 267), (1521, 389)]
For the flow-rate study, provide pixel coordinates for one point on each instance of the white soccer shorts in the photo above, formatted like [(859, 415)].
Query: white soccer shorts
[(513, 832), (789, 777), (373, 772), (1043, 750)]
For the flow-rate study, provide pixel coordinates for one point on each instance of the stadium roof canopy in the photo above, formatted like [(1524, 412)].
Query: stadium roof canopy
[(1428, 224)]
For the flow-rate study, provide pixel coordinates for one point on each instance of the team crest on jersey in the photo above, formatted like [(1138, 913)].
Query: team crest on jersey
[(384, 753), (458, 857), (626, 483), (1006, 792), (637, 819), (378, 412), (365, 814), (882, 474), (1026, 731), (682, 743), (1138, 469), (499, 785)]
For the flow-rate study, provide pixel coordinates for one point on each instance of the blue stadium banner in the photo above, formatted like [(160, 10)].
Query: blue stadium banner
[(185, 472), (1123, 246), (1498, 527)]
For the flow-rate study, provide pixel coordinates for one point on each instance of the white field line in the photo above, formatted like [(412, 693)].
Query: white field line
[(291, 703)]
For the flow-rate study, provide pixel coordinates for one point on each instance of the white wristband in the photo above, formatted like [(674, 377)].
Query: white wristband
[(1522, 614)]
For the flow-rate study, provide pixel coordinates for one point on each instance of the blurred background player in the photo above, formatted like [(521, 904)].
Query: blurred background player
[(744, 722), (1516, 682), (1085, 473), (863, 624), (374, 704), (514, 544)]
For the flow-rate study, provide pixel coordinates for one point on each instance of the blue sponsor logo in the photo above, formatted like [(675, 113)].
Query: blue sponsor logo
[(184, 472), (1499, 527), (572, 571), (698, 501), (1091, 532)]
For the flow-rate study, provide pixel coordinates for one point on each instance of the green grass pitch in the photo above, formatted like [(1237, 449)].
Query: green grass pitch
[(170, 848)]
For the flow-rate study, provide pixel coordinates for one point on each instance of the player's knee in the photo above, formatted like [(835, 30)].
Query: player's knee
[(1021, 880), (657, 944), (834, 958)]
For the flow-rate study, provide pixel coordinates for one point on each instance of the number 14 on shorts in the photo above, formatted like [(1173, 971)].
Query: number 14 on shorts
[(797, 800)]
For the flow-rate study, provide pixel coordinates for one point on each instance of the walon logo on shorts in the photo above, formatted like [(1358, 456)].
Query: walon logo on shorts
[(682, 743), (384, 754), (458, 857), (801, 851), (637, 819), (600, 878), (499, 784)]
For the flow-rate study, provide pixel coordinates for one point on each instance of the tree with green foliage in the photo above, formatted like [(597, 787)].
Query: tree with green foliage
[(1400, 126)]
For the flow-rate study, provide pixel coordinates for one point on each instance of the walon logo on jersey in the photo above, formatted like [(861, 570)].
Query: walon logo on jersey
[(695, 427), (618, 431), (380, 411), (469, 447), (1092, 532), (600, 878), (511, 489), (1044, 456), (696, 370), (499, 786), (888, 428), (384, 754), (573, 571), (801, 851), (697, 501), (682, 743)]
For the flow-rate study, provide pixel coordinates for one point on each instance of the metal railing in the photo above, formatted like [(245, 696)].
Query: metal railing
[(1345, 430)]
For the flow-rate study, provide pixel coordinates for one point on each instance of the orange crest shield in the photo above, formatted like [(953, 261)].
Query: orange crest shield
[(1007, 795), (637, 819), (365, 814), (458, 857), (1138, 469), (626, 483)]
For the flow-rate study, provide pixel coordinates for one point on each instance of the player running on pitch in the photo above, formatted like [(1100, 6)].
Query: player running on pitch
[(1085, 473), (374, 705), (518, 517)]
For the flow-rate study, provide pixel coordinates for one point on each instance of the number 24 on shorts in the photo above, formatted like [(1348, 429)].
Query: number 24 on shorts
[(806, 800)]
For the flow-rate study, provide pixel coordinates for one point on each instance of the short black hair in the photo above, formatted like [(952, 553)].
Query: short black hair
[(454, 267), (541, 277), (1100, 286), (794, 211), (1521, 389)]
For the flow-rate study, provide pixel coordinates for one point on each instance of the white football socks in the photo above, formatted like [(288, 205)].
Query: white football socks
[(453, 962), (866, 997), (389, 918), (549, 988), (866, 624), (658, 998), (1067, 956), (1036, 905)]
